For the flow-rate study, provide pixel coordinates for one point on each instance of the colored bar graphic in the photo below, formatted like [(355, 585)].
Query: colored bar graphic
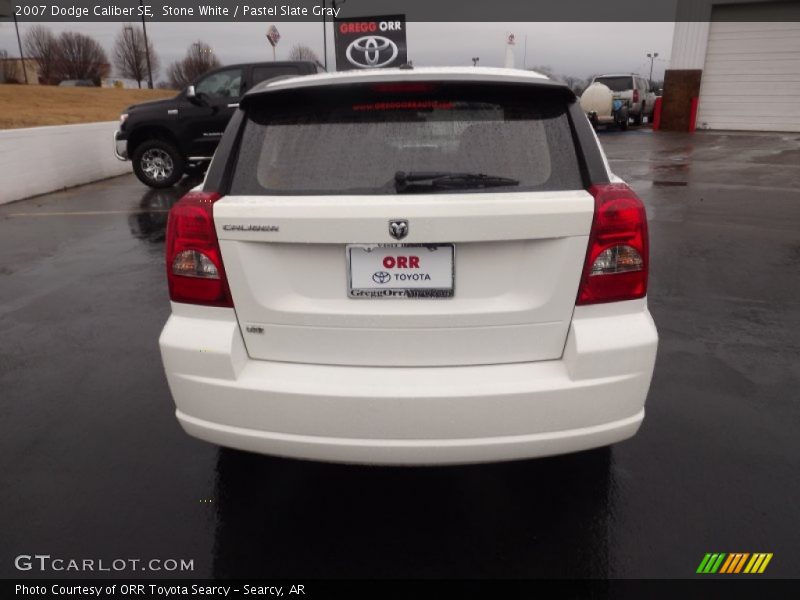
[(727, 564), (741, 562), (734, 563), (765, 563), (717, 564), (703, 563), (734, 558), (755, 562), (710, 564)]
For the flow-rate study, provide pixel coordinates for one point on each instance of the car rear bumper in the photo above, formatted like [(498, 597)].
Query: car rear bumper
[(596, 119), (120, 147), (593, 396), (412, 452)]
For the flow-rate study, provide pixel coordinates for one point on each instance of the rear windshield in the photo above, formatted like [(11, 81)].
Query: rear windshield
[(617, 84), (355, 140)]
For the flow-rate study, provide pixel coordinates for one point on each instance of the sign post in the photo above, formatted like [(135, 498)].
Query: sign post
[(274, 37), (370, 42), (510, 41)]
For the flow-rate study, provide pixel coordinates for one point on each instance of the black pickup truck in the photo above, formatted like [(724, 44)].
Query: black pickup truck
[(167, 138)]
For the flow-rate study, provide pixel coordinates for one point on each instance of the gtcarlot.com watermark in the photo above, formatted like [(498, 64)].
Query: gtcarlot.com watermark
[(45, 563)]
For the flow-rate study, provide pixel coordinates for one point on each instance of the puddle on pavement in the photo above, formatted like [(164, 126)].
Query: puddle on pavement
[(662, 183), (149, 220)]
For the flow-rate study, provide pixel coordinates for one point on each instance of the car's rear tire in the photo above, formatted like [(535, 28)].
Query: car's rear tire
[(638, 119), (157, 163)]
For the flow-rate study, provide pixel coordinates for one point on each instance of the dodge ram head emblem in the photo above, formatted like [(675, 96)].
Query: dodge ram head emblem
[(398, 228)]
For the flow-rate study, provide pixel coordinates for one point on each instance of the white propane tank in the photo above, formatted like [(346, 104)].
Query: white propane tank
[(598, 99)]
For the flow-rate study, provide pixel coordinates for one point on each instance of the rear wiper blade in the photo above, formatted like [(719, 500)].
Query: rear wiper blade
[(421, 180)]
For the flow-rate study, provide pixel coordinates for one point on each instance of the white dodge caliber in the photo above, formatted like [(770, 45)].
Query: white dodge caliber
[(409, 266)]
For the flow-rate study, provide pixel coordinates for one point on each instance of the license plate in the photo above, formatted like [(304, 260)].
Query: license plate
[(400, 271)]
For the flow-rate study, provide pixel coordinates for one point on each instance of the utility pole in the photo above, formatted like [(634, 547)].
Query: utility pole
[(147, 52), (525, 54), (334, 4), (652, 56), (19, 43), (475, 60), (127, 32), (324, 37)]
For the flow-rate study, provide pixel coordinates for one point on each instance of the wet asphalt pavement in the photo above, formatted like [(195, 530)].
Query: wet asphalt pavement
[(94, 465)]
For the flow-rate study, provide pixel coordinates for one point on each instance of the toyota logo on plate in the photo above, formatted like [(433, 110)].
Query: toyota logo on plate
[(371, 51), (380, 277)]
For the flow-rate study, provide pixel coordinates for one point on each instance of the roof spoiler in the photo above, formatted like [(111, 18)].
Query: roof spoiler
[(268, 87)]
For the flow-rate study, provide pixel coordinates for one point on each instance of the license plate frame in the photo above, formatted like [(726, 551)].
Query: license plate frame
[(392, 292)]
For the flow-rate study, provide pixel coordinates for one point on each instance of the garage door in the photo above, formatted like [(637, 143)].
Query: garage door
[(751, 79)]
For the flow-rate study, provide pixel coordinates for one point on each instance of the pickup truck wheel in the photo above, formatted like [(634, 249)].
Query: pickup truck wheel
[(158, 163), (637, 119)]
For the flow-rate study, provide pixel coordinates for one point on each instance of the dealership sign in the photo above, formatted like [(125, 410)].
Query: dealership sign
[(370, 42), (273, 36)]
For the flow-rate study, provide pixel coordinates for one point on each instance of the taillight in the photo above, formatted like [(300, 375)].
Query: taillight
[(617, 257), (635, 96), (194, 262)]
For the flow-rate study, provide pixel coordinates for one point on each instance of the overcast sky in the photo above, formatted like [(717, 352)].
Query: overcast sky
[(577, 49)]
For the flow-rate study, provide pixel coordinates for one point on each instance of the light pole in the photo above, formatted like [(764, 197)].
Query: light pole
[(525, 54), (21, 57), (652, 56), (147, 52), (475, 60), (334, 4), (130, 40), (324, 38)]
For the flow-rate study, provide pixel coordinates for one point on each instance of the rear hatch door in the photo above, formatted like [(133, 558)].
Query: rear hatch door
[(407, 225)]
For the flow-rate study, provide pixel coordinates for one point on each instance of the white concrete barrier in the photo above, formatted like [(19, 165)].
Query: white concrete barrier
[(38, 160)]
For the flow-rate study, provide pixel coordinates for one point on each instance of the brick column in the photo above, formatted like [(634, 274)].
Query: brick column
[(680, 86)]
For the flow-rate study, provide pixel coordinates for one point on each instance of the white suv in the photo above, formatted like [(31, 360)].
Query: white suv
[(637, 92), (409, 266)]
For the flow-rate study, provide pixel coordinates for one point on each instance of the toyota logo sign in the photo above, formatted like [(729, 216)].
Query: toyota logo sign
[(371, 51), (370, 42)]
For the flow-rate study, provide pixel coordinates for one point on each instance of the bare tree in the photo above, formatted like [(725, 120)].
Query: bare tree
[(130, 54), (81, 57), (8, 68), (176, 75), (42, 46), (199, 59), (545, 70), (587, 82), (302, 52), (576, 84)]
